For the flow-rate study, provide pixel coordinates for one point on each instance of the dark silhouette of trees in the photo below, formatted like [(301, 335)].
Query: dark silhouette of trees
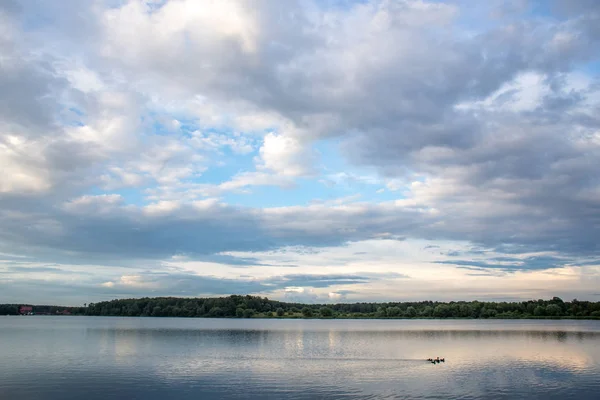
[(393, 312), (13, 309), (307, 312), (553, 310), (539, 311), (326, 312), (254, 306)]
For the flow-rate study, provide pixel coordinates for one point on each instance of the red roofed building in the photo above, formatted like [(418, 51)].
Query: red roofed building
[(25, 309)]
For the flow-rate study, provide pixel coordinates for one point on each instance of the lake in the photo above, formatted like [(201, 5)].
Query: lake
[(89, 358)]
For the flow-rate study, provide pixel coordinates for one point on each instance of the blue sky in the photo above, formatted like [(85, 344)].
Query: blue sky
[(310, 151)]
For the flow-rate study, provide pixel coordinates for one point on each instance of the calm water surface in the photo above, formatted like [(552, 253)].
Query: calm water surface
[(53, 358)]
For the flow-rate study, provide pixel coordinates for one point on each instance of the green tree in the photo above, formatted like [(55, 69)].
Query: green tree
[(441, 311), (280, 312), (539, 311), (553, 310), (326, 312), (411, 312), (465, 311), (393, 312), (427, 311), (216, 312), (232, 306), (249, 312), (307, 312)]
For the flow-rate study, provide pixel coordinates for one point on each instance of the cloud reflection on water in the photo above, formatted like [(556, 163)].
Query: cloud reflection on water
[(325, 358)]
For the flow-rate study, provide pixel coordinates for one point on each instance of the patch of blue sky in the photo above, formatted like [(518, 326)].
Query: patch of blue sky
[(188, 126), (543, 8), (331, 159), (341, 4), (306, 192), (383, 196), (483, 16), (591, 68), (224, 166), (70, 116), (77, 111), (31, 21), (273, 196), (477, 18), (333, 163), (154, 5), (155, 122)]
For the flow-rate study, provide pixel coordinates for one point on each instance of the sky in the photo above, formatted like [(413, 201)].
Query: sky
[(312, 151)]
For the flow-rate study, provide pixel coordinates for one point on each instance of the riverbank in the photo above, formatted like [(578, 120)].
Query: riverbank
[(261, 307)]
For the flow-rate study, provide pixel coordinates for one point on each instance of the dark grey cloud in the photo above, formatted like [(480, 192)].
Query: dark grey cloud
[(28, 80), (129, 233), (587, 8), (345, 292), (36, 269), (510, 264), (240, 261), (328, 280), (25, 89), (318, 281)]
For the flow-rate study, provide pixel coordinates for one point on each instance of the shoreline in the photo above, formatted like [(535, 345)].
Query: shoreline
[(565, 318), (248, 307)]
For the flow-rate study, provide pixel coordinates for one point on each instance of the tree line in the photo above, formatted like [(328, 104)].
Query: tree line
[(13, 309), (261, 307)]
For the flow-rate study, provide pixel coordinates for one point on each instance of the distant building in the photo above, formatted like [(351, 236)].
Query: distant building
[(25, 310)]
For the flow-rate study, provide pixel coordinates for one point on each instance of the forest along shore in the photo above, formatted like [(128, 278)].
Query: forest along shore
[(261, 307)]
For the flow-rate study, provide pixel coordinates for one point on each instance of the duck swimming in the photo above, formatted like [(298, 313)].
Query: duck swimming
[(436, 360)]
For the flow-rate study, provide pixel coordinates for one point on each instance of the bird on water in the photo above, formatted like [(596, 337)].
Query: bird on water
[(436, 360)]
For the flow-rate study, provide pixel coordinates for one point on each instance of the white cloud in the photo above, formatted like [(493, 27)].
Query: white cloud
[(525, 93), (164, 207), (285, 155), (83, 78), (99, 204), (245, 179), (22, 169)]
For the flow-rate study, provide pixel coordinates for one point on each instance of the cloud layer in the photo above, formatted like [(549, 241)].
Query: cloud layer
[(205, 148)]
